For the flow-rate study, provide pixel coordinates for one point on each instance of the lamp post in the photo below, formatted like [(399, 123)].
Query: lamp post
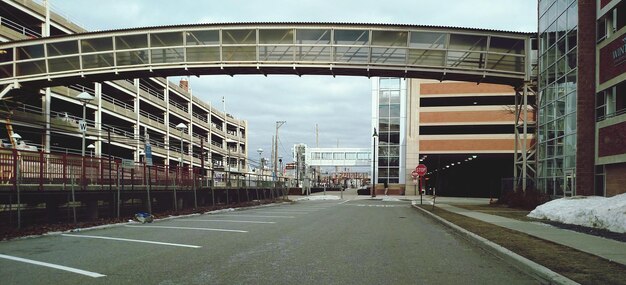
[(16, 137), (374, 136), (260, 151), (181, 127), (91, 148), (228, 161), (84, 97)]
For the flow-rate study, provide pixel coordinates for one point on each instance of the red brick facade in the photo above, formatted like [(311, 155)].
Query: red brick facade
[(585, 152), (611, 66), (612, 140)]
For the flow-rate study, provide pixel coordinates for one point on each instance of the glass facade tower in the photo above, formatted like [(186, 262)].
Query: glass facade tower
[(558, 67), (389, 96)]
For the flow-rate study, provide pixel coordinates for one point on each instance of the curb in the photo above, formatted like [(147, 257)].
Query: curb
[(526, 265)]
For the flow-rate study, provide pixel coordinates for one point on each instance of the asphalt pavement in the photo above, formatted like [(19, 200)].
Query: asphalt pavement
[(354, 241)]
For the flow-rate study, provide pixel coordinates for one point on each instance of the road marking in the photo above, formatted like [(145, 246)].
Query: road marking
[(285, 212), (255, 216), (187, 228), (346, 201), (227, 221), (55, 266), (134, 240)]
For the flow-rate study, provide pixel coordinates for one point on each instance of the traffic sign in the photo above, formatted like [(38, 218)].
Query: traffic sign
[(148, 150), (421, 170), (82, 126), (414, 174)]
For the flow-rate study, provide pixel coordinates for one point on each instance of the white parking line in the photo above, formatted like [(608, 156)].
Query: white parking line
[(186, 228), (55, 266), (255, 216), (285, 212), (227, 221), (133, 240)]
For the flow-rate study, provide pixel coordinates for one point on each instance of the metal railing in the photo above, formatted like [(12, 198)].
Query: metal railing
[(19, 28), (179, 106), (152, 116), (117, 102), (152, 92)]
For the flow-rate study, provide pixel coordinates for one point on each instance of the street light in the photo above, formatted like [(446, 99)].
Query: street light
[(181, 127), (228, 161), (84, 97), (260, 151), (374, 136), (91, 148)]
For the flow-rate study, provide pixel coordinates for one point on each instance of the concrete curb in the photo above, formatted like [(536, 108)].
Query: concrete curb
[(526, 265)]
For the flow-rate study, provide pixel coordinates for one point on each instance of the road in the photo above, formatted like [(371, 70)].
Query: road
[(308, 242)]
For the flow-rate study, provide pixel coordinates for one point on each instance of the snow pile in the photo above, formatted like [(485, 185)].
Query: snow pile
[(590, 211), (390, 199), (318, 197)]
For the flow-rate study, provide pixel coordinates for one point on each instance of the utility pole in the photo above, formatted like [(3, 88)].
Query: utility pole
[(278, 125)]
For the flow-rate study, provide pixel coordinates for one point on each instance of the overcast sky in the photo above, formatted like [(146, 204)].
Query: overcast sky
[(340, 106)]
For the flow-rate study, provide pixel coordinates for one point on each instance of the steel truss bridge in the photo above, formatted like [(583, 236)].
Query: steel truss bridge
[(405, 51)]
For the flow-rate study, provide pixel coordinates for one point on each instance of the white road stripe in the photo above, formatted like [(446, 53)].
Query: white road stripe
[(285, 212), (346, 201), (55, 266), (255, 216), (186, 228), (134, 240), (227, 221)]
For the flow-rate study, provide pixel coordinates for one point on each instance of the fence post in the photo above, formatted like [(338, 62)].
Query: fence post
[(41, 163)]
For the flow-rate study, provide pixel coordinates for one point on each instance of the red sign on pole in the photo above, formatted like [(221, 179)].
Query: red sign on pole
[(421, 170)]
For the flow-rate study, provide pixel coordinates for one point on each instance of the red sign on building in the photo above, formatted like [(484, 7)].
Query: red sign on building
[(613, 59)]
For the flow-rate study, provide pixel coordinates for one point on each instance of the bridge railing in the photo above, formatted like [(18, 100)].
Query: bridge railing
[(43, 171)]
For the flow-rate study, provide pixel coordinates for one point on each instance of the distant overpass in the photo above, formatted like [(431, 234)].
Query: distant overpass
[(348, 157), (444, 53)]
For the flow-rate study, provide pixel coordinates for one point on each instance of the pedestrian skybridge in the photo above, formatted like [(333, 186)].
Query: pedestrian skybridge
[(269, 48), (338, 156)]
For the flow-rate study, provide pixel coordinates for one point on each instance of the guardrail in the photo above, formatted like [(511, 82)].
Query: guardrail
[(40, 171)]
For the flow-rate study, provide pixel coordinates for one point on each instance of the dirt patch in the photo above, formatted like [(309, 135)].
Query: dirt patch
[(581, 267), (499, 210)]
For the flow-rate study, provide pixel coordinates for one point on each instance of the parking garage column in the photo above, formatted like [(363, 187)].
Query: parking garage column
[(98, 117)]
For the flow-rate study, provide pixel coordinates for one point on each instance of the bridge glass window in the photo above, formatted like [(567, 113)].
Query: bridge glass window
[(6, 70), (29, 52), (466, 60), (98, 60), (327, 155), (352, 54), (389, 55), (363, 155), (64, 64), (62, 48), (239, 37), (131, 57), (351, 37), (506, 45), (389, 38), (276, 53), (426, 57), (31, 67), (351, 155), (200, 38), (312, 37), (339, 155), (203, 54), (171, 55), (313, 53), (239, 53), (166, 39), (468, 42), (96, 44), (276, 36), (506, 63), (427, 40), (131, 42)]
